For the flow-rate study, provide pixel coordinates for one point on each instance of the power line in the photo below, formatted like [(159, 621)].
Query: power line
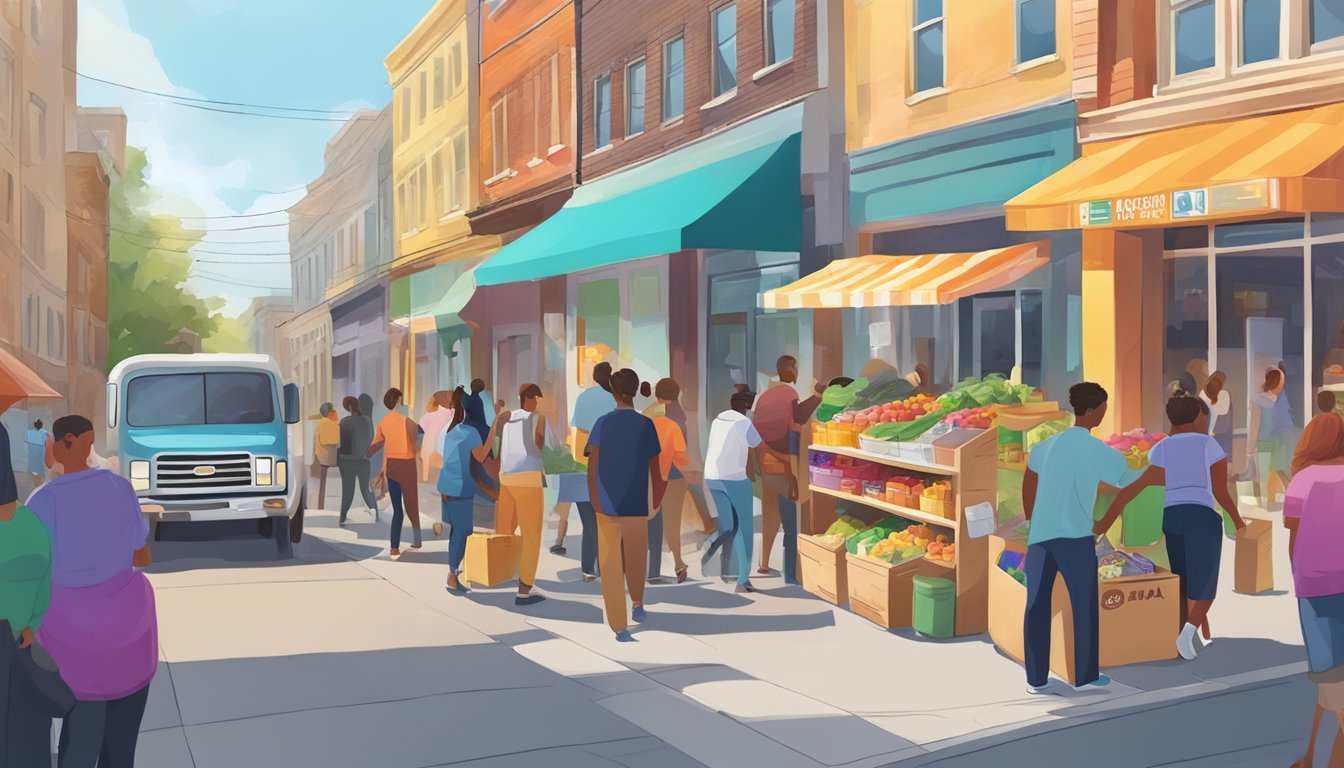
[(302, 118), (179, 97)]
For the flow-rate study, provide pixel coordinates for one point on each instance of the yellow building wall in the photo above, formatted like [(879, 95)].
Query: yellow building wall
[(982, 78), (422, 224)]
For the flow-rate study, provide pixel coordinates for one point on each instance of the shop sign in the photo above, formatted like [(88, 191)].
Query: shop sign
[(1137, 209), (1094, 214), (1189, 203), (1244, 195)]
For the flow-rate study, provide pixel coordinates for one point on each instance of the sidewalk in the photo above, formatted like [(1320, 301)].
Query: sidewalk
[(806, 682)]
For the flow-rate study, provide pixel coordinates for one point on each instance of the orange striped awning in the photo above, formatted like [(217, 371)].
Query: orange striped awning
[(896, 281), (1289, 162)]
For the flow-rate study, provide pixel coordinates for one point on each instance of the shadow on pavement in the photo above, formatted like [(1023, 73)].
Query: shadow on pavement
[(551, 608), (200, 545)]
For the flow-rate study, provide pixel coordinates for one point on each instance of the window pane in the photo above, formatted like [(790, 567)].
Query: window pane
[(1186, 288), (779, 21), (929, 58), (1327, 285), (1035, 29), (674, 73), (1327, 224), (602, 104), (1260, 30), (1195, 37), (725, 50), (1185, 238), (1257, 233), (1327, 20), (439, 84), (1033, 337), (927, 10), (634, 99)]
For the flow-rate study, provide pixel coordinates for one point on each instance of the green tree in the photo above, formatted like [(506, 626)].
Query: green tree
[(149, 304), (231, 334)]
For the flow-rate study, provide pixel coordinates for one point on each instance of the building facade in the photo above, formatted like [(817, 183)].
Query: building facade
[(433, 72), (264, 316), (1208, 197)]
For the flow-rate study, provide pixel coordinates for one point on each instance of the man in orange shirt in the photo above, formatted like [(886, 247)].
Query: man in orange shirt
[(673, 462), (397, 436)]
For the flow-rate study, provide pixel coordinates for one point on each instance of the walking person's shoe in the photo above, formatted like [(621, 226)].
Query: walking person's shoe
[(743, 589), (588, 577), (624, 636), (395, 554), (1185, 642), (763, 571), (438, 530), (557, 550), (682, 573), (1101, 682), (1042, 690), (639, 615), (455, 585), (531, 598)]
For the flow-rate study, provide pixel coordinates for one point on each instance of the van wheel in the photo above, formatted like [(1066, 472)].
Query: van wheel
[(296, 522)]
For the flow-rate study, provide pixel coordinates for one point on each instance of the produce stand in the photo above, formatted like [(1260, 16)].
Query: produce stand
[(881, 591), (1138, 615)]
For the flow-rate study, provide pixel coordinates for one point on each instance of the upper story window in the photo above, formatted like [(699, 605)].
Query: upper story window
[(1260, 24), (778, 31), (424, 97), (499, 136), (456, 76), (928, 41), (35, 20), (674, 78), (1327, 21), (602, 112), (459, 186), (34, 236), (405, 112), (635, 87), (8, 71), (1195, 36), (724, 27), (1035, 29), (37, 129), (440, 81)]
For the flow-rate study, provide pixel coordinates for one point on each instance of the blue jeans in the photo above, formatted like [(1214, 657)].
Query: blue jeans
[(588, 547), (1076, 560), (733, 504), (458, 514)]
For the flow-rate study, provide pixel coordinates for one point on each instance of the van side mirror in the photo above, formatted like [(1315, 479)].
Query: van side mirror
[(292, 410), (111, 406)]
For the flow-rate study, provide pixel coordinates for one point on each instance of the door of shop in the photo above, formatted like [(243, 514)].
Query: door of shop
[(515, 363)]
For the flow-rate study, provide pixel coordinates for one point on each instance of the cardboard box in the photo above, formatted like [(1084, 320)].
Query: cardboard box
[(1255, 558), (491, 559), (884, 593), (1138, 617), (821, 567)]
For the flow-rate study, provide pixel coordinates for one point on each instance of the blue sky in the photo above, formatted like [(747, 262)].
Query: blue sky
[(315, 54)]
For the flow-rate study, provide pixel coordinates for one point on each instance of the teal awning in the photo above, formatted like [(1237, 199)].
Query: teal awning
[(739, 190), (977, 166)]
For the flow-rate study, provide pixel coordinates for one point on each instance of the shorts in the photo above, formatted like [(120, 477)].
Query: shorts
[(1195, 548), (1323, 634)]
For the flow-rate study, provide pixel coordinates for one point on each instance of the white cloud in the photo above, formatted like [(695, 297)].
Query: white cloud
[(198, 157)]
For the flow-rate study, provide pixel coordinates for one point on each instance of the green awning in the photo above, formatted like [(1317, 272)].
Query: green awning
[(739, 190)]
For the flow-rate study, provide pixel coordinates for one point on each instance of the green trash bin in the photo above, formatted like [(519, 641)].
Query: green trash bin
[(935, 609)]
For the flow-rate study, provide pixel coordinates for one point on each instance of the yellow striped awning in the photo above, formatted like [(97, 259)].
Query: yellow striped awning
[(897, 281), (1289, 162)]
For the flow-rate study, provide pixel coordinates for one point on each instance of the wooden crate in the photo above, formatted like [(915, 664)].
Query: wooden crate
[(822, 569), (884, 593)]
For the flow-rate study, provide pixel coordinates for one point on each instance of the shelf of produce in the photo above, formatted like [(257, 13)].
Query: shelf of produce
[(894, 509), (889, 461), (1013, 466)]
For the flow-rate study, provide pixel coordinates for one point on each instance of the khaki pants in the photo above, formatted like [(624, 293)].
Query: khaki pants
[(622, 552), (521, 508), (674, 501)]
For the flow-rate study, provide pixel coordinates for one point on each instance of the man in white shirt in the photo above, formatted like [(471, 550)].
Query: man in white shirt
[(730, 467)]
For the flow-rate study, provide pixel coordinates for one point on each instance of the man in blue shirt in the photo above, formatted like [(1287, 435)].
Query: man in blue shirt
[(35, 440), (1059, 495), (592, 404), (623, 453)]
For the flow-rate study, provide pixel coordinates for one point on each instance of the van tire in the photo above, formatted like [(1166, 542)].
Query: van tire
[(296, 522)]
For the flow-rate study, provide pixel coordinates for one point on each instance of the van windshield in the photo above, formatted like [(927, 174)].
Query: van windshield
[(185, 399)]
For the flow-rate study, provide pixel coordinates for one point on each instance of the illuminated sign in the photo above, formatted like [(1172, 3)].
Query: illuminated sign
[(1189, 203)]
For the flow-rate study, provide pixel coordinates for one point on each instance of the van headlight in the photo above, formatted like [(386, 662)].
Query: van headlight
[(281, 473), (140, 475), (264, 466)]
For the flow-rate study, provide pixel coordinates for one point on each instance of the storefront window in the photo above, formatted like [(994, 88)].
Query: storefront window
[(744, 341), (648, 325), (598, 326), (1257, 233), (1033, 333), (1327, 285), (1186, 287)]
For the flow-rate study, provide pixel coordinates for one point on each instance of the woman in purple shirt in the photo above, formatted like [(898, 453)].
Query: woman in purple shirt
[(101, 627)]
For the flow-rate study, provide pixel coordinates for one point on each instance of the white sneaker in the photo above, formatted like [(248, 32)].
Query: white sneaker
[(1041, 690), (1185, 642)]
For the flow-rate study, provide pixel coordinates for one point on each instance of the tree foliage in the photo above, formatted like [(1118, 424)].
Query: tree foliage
[(149, 304)]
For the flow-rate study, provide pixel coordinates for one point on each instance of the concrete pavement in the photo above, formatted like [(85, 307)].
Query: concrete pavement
[(343, 657)]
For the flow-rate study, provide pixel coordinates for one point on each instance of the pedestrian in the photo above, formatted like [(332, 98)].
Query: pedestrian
[(1219, 401), (398, 437), (326, 447), (593, 403), (695, 475), (1273, 433), (1192, 469), (352, 459), (101, 627), (779, 418), (665, 522), (25, 593), (521, 503), (730, 468), (378, 483), (459, 445), (480, 412), (1325, 401), (1312, 513), (37, 441), (623, 475), (438, 413), (1059, 497)]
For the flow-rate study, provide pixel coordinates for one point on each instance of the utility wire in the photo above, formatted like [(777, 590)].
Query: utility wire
[(179, 97)]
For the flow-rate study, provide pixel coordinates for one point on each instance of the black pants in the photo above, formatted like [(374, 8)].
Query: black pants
[(355, 472), (588, 548), (103, 733)]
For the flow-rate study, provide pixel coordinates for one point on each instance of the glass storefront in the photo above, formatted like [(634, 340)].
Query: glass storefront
[(619, 316), (746, 341), (1238, 301)]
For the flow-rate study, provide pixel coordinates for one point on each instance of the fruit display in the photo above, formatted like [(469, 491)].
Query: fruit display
[(837, 398), (903, 431), (870, 537), (1135, 445), (897, 411), (894, 549), (972, 418), (881, 393), (929, 541), (994, 389), (844, 527), (937, 499), (904, 491)]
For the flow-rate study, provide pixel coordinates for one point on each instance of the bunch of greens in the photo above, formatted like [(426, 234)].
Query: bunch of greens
[(870, 537), (557, 460), (836, 399), (994, 389), (881, 393), (902, 431)]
